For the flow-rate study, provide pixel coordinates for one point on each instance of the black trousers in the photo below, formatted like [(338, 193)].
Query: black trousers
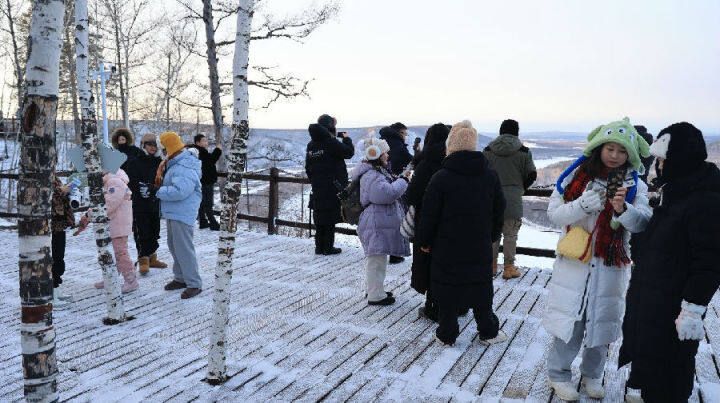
[(58, 256), (324, 237), (431, 306), (205, 213), (448, 330), (146, 232)]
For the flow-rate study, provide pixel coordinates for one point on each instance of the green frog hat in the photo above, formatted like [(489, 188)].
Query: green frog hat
[(623, 133)]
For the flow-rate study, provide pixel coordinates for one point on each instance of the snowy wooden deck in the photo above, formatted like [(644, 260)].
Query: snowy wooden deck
[(301, 330)]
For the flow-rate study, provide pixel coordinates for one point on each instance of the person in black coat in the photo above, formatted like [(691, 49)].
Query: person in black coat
[(676, 269), (326, 169), (428, 161), (462, 215), (122, 140), (208, 180), (146, 207), (395, 135), (647, 162)]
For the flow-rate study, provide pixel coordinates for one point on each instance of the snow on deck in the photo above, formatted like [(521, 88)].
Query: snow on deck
[(300, 330)]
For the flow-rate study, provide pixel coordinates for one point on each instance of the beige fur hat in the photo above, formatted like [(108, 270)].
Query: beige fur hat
[(463, 137)]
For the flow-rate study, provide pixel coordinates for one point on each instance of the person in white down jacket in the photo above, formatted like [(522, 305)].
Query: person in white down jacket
[(601, 199)]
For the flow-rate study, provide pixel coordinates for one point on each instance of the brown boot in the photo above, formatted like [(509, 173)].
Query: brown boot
[(510, 271), (494, 267), (144, 264), (190, 292), (155, 263)]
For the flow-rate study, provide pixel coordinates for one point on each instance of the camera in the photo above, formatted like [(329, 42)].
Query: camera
[(75, 195), (341, 134), (614, 182)]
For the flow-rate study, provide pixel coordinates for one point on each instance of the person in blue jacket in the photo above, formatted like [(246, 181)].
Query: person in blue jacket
[(180, 193)]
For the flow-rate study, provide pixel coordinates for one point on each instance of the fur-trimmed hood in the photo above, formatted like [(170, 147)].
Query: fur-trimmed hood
[(125, 132)]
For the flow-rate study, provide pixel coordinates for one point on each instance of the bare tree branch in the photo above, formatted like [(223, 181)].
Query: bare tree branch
[(295, 28), (280, 87)]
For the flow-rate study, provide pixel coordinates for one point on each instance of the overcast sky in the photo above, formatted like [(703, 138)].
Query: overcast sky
[(551, 64)]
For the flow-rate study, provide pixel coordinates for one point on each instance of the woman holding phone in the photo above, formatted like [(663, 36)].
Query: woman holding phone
[(597, 202)]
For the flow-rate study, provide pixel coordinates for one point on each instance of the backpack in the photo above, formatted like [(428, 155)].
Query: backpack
[(350, 206)]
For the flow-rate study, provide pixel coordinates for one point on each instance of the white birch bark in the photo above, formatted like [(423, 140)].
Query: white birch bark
[(37, 171), (236, 156), (90, 139)]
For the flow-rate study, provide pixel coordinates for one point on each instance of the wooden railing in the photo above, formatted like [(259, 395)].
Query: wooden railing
[(273, 221)]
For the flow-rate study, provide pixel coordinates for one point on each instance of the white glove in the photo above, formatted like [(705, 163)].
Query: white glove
[(591, 202), (689, 323)]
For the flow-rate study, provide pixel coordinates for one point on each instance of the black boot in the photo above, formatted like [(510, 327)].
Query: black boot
[(320, 240), (396, 259), (330, 249), (429, 311)]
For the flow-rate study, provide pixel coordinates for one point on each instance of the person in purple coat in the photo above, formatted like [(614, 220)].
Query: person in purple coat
[(379, 226)]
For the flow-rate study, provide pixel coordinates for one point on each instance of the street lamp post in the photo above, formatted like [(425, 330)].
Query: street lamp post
[(103, 73)]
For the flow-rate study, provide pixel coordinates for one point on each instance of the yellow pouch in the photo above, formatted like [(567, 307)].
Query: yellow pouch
[(576, 244)]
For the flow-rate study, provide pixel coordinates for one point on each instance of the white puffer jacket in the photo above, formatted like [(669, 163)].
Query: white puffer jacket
[(593, 289)]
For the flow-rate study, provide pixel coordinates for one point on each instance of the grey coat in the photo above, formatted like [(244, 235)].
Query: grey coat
[(379, 226)]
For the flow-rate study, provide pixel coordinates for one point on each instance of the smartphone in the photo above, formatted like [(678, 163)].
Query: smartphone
[(614, 182), (407, 169)]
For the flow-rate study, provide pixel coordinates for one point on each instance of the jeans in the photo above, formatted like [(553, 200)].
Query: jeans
[(180, 243)]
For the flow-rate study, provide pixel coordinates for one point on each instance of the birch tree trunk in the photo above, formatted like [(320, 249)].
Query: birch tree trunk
[(217, 369), (88, 129), (37, 172), (212, 60)]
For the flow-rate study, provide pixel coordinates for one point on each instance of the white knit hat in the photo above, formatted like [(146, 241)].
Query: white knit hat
[(372, 148)]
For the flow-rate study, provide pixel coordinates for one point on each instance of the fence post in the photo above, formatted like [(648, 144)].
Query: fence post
[(273, 204)]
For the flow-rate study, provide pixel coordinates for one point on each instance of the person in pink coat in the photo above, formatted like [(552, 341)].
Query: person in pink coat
[(118, 204)]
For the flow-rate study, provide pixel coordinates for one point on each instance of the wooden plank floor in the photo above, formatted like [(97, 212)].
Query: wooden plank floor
[(300, 330)]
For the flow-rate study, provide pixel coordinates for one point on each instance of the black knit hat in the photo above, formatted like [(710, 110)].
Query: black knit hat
[(510, 126), (686, 152), (436, 134), (327, 122), (398, 126)]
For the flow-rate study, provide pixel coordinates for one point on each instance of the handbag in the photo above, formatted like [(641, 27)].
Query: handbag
[(407, 228), (576, 244)]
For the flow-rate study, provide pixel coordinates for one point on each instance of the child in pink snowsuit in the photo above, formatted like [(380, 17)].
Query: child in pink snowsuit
[(119, 211)]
